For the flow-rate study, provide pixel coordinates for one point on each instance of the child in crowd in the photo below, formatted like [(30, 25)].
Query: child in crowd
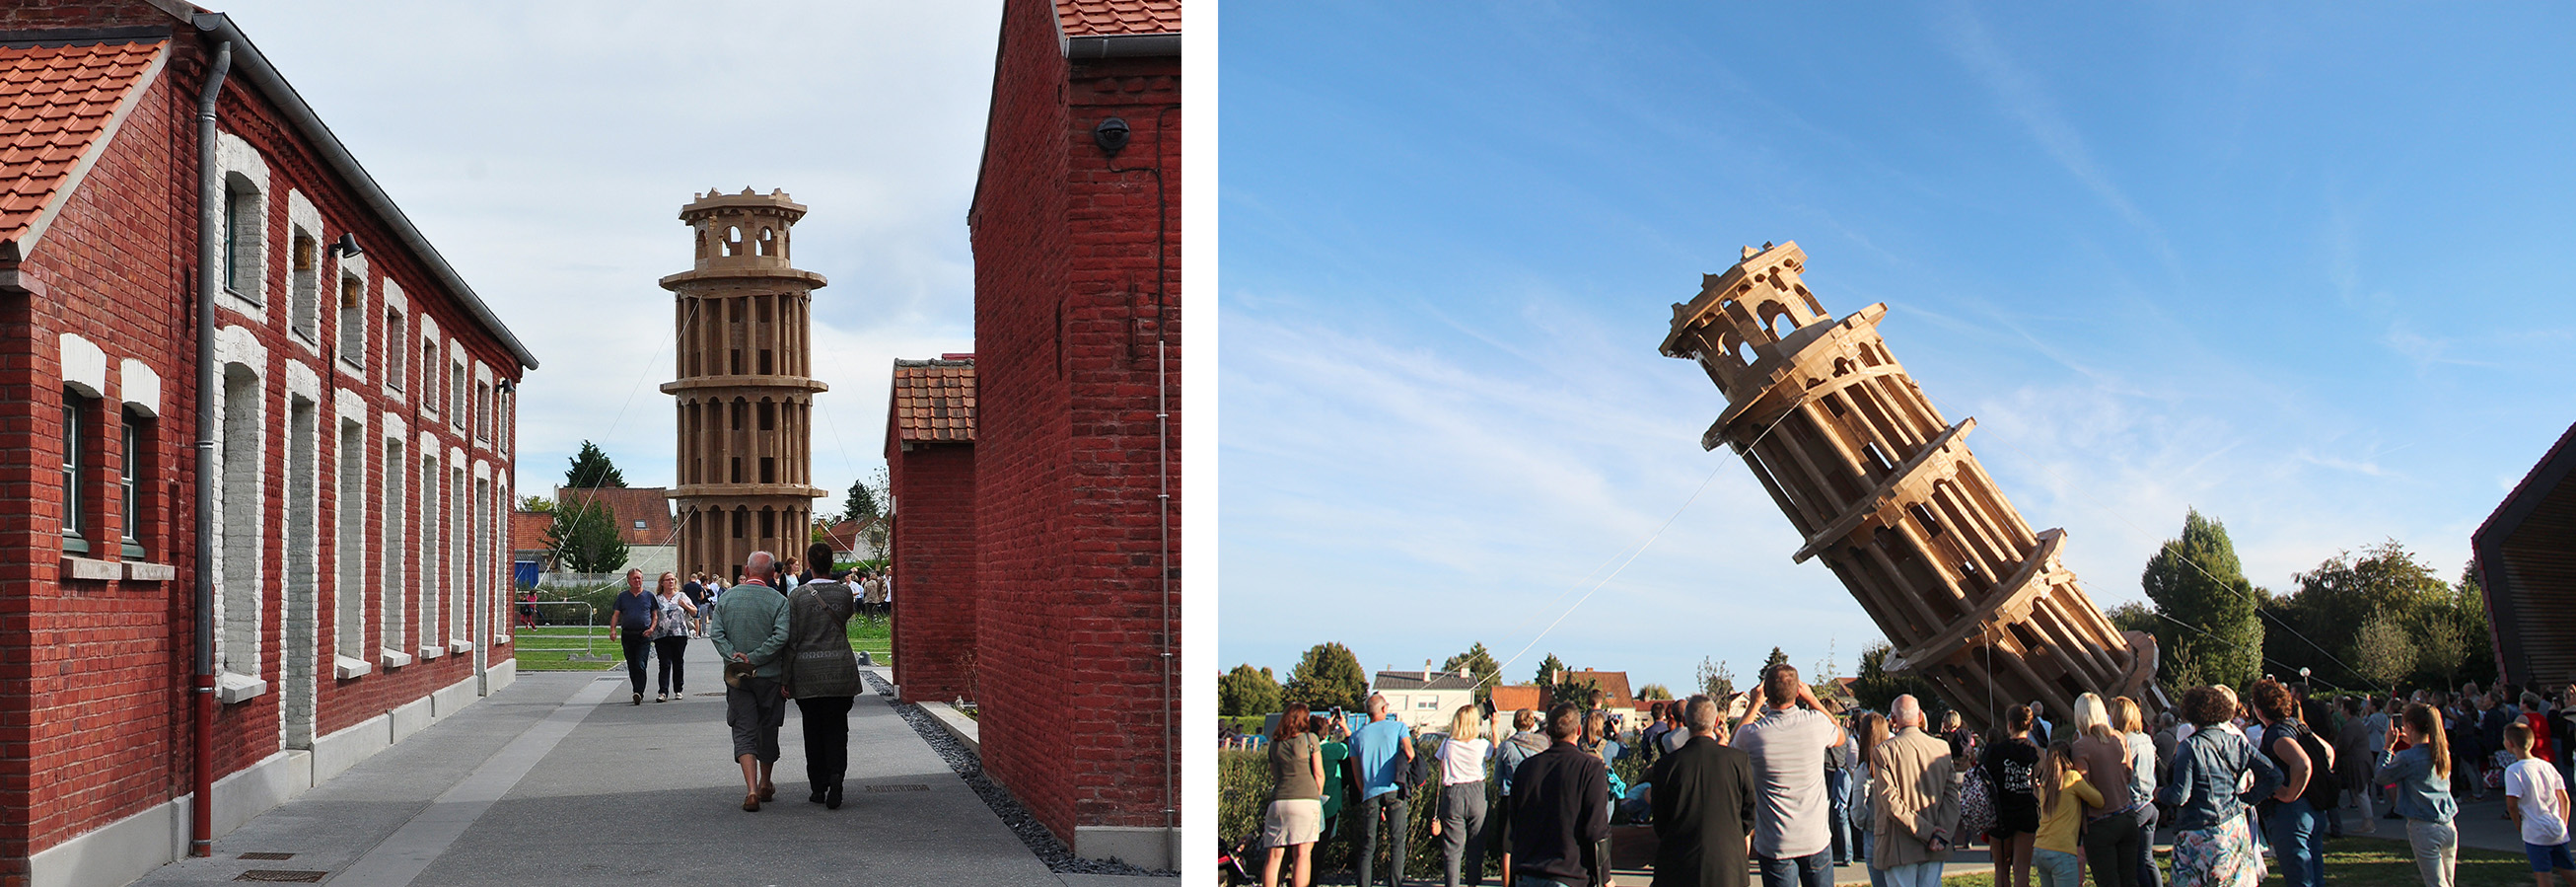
[(2537, 800), (2064, 797)]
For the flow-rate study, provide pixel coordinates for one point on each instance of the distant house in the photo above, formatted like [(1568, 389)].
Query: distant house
[(856, 540), (1613, 684), (1514, 697), (2526, 564), (643, 516), (528, 538), (1425, 699)]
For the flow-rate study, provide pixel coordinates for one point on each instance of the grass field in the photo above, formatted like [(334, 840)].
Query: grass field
[(876, 639)]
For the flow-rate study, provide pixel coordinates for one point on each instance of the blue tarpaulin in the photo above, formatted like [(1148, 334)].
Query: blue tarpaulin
[(524, 573)]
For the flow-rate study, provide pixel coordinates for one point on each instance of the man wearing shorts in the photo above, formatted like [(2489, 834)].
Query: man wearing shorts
[(2535, 798)]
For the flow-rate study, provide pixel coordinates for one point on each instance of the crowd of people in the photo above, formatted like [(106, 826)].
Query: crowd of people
[(1779, 785), (782, 634)]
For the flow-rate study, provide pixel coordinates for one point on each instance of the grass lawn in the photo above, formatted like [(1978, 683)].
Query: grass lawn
[(876, 639), (2369, 862)]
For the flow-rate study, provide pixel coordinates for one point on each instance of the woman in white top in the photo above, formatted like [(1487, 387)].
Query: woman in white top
[(1461, 826), (670, 633)]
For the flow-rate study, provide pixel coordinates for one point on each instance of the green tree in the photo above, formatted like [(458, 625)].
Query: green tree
[(591, 468), (2318, 626), (1654, 691), (1247, 691), (1547, 669), (2383, 651), (1776, 658), (1716, 679), (862, 503), (1480, 665), (584, 537), (1874, 687), (538, 504), (2210, 632), (2132, 616), (2468, 605), (1328, 676)]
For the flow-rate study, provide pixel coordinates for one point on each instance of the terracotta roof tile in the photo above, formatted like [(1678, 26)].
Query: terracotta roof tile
[(1100, 18), (647, 505), (934, 400), (59, 100)]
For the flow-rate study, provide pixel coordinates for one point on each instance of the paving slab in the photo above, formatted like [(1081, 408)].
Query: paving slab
[(558, 780)]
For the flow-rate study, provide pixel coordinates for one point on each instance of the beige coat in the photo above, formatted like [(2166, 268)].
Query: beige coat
[(1914, 795)]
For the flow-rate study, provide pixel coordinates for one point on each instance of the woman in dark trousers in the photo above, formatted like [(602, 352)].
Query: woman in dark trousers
[(671, 638), (823, 676)]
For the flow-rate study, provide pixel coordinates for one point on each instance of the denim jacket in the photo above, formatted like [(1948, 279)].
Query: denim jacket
[(2420, 794), (2204, 779)]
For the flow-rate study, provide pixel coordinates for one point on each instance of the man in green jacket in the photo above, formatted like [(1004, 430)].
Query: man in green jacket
[(751, 629)]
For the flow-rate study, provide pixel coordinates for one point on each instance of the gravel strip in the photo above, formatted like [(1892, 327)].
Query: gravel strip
[(1057, 857)]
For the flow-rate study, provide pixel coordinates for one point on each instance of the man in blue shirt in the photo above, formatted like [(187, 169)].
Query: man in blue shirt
[(1383, 752), (635, 609)]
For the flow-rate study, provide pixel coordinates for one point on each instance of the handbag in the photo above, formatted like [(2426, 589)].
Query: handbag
[(1976, 804)]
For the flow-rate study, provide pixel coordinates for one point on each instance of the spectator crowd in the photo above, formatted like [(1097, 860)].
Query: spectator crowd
[(1780, 786)]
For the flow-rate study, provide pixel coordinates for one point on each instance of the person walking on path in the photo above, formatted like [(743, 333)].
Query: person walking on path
[(1293, 820), (1788, 742), (1914, 800), (1384, 752), (2212, 846), (1702, 795), (2421, 777), (823, 676), (2536, 799), (1461, 826), (1560, 809), (2009, 762), (750, 633), (673, 613), (634, 612)]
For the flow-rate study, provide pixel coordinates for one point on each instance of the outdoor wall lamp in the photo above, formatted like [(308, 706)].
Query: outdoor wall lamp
[(347, 245), (1111, 135)]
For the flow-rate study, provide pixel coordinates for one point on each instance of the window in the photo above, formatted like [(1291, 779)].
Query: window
[(764, 361), (353, 320), (736, 476), (73, 543), (349, 592), (428, 374), (768, 469), (304, 312), (241, 239), (456, 393), (394, 355), (392, 540), (130, 487), (482, 412)]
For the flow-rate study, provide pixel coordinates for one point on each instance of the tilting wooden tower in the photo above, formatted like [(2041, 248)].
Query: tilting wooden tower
[(746, 387), (1887, 494)]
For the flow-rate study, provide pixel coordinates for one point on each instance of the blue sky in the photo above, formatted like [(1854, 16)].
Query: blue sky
[(2302, 267)]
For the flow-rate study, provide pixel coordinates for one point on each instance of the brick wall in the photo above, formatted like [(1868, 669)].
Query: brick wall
[(95, 675), (1071, 614), (934, 564)]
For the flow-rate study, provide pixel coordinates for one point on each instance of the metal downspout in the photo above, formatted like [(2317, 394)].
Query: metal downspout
[(210, 206)]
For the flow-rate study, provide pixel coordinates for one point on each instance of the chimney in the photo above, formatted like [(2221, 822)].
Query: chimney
[(1426, 671)]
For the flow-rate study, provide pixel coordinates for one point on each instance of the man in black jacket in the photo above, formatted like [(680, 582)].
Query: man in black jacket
[(1703, 797), (1560, 809)]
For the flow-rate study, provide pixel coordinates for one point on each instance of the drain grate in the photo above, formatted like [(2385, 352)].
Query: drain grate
[(909, 787), (282, 876), (267, 857)]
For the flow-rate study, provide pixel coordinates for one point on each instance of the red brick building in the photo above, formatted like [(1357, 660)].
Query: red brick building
[(1075, 226), (930, 472), (361, 447)]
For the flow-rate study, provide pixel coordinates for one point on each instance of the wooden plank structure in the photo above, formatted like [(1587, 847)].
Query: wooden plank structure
[(1886, 493), (2526, 563)]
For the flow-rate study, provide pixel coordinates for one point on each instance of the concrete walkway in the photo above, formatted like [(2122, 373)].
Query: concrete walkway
[(558, 780)]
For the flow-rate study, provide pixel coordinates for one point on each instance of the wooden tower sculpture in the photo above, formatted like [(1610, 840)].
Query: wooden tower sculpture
[(745, 387), (1885, 491)]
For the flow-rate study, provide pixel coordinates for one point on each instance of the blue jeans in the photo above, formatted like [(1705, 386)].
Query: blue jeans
[(1838, 791), (1811, 870), (2299, 842), (2055, 868)]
